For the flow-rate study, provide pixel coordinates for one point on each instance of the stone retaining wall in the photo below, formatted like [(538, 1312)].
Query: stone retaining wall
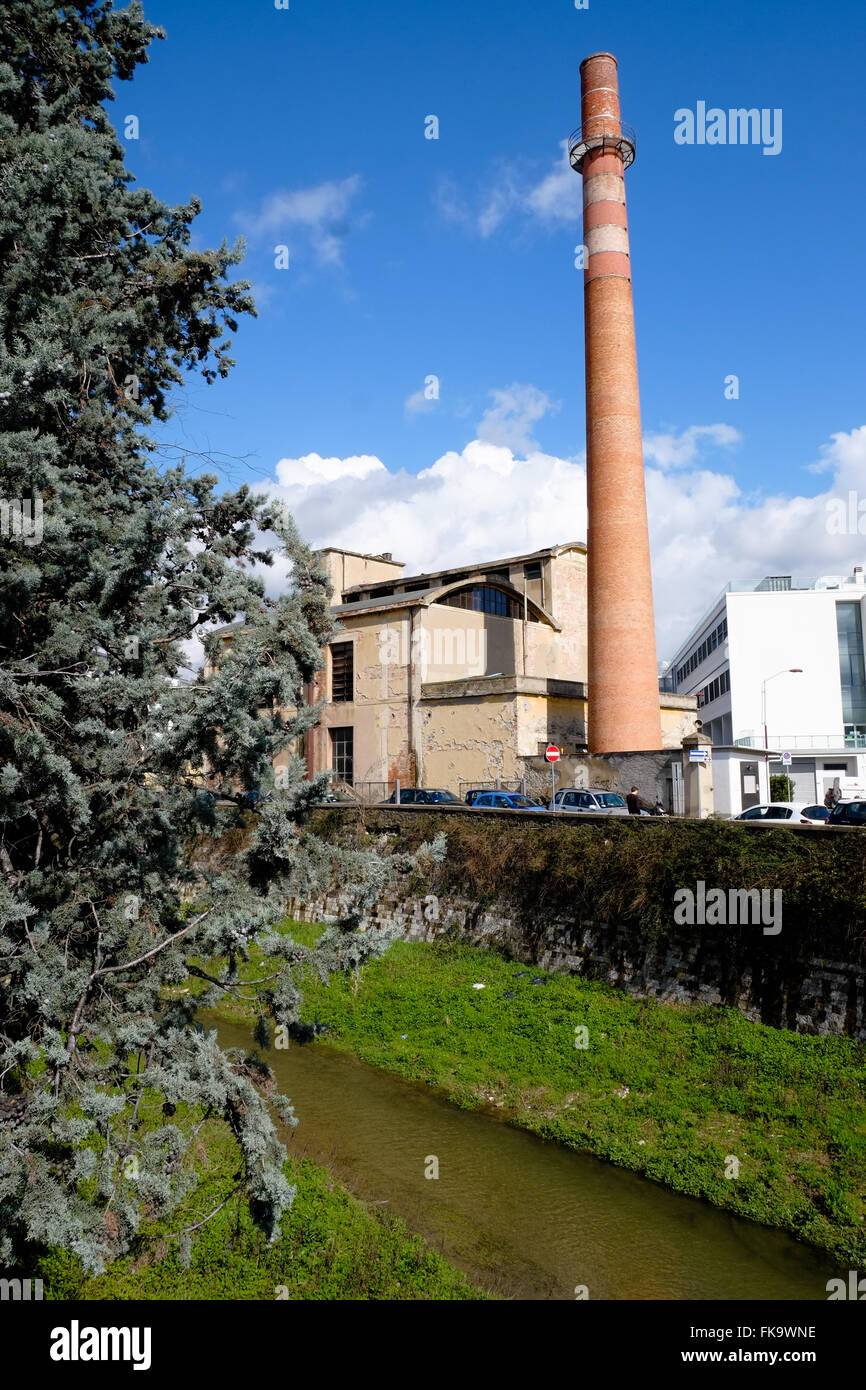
[(692, 966)]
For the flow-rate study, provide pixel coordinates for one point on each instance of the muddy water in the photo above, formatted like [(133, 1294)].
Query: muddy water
[(523, 1217)]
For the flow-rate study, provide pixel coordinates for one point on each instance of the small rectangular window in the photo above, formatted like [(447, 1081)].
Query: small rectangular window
[(342, 672), (532, 570)]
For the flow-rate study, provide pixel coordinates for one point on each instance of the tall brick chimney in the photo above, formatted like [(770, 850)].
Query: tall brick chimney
[(623, 693)]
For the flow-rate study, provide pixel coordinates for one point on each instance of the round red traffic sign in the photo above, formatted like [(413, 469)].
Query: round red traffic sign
[(551, 753)]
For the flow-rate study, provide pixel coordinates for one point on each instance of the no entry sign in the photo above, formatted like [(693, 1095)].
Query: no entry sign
[(551, 753)]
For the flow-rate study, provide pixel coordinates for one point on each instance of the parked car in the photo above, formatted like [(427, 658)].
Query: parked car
[(589, 800), (787, 812), (250, 799), (473, 794), (506, 801), (425, 796), (848, 813)]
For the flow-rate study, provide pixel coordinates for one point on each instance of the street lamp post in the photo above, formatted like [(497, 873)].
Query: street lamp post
[(786, 671)]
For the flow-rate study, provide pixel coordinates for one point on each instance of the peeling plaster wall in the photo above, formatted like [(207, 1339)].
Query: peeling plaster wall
[(678, 722), (544, 719), (379, 713), (472, 740), (544, 654), (567, 604)]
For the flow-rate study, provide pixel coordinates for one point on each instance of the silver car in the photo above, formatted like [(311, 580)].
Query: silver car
[(590, 801)]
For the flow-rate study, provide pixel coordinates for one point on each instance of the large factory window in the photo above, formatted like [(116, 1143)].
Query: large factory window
[(483, 598)]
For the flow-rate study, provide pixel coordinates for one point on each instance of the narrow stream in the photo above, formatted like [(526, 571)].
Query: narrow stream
[(524, 1217)]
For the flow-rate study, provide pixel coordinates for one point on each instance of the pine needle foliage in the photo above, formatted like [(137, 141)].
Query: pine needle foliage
[(112, 561)]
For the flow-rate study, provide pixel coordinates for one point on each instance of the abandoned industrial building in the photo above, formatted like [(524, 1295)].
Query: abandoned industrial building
[(460, 675), (464, 675)]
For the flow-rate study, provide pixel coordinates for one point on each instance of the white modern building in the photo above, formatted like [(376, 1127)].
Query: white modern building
[(778, 671)]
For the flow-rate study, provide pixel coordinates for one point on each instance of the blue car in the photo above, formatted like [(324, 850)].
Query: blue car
[(422, 796), (507, 801)]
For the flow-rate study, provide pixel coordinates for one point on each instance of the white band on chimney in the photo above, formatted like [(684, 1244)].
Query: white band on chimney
[(604, 188), (606, 238)]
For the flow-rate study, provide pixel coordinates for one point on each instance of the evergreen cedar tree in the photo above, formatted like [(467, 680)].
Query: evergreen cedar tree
[(105, 1075)]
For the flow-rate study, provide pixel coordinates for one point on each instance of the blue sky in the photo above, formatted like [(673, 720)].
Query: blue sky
[(411, 257)]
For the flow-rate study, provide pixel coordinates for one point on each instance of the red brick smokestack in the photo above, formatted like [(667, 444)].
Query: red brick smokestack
[(623, 694)]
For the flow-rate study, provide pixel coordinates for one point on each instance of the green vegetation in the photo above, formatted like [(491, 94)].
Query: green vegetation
[(110, 301), (667, 1091), (331, 1247), (624, 872), (781, 788)]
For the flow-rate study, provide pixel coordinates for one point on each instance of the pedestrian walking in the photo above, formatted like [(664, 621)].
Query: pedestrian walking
[(633, 801)]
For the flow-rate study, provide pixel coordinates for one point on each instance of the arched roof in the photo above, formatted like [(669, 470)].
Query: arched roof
[(469, 581)]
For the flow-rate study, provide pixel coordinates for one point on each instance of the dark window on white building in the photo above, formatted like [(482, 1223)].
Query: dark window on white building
[(852, 675)]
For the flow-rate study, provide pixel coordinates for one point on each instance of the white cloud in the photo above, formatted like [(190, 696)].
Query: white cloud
[(509, 419), (320, 212), (450, 202), (491, 499), (678, 451), (512, 191), (312, 470), (500, 200), (558, 197), (419, 403), (705, 532)]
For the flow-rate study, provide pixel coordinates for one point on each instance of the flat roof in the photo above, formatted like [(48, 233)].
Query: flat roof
[(478, 567), (359, 555), (797, 584)]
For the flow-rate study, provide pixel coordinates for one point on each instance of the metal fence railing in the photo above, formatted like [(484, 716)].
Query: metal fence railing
[(852, 738), (514, 784), (371, 793)]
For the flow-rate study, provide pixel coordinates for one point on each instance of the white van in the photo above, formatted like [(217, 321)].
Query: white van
[(849, 789)]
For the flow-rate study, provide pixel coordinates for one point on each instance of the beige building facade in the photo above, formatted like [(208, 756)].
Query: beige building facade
[(459, 676)]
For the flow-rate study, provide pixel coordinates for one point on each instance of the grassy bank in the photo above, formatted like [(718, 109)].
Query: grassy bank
[(671, 1092), (331, 1247)]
